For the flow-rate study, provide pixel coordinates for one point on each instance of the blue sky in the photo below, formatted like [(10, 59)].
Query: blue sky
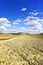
[(21, 16)]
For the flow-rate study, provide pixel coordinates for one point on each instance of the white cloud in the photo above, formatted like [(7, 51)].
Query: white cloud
[(7, 25), (21, 29), (4, 23), (23, 9), (4, 20), (34, 23), (34, 13), (17, 21), (31, 24), (3, 29)]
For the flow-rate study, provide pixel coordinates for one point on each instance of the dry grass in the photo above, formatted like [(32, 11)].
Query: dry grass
[(6, 36), (21, 49)]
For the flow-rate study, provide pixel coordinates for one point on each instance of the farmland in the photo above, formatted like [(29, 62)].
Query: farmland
[(22, 49)]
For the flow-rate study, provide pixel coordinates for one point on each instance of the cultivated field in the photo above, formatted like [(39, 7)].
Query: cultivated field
[(21, 49)]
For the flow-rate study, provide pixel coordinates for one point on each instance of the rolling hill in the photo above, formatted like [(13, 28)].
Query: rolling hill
[(22, 49)]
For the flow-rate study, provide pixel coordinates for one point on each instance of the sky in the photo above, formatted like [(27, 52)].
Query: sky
[(21, 16)]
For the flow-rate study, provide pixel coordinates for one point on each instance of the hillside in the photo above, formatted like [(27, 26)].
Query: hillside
[(22, 49)]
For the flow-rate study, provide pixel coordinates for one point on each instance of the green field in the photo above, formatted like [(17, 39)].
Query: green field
[(22, 49)]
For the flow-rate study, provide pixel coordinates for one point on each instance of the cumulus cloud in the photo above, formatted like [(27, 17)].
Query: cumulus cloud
[(35, 13), (3, 29), (17, 21), (31, 24), (21, 29), (4, 23), (4, 20), (23, 9), (34, 23)]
